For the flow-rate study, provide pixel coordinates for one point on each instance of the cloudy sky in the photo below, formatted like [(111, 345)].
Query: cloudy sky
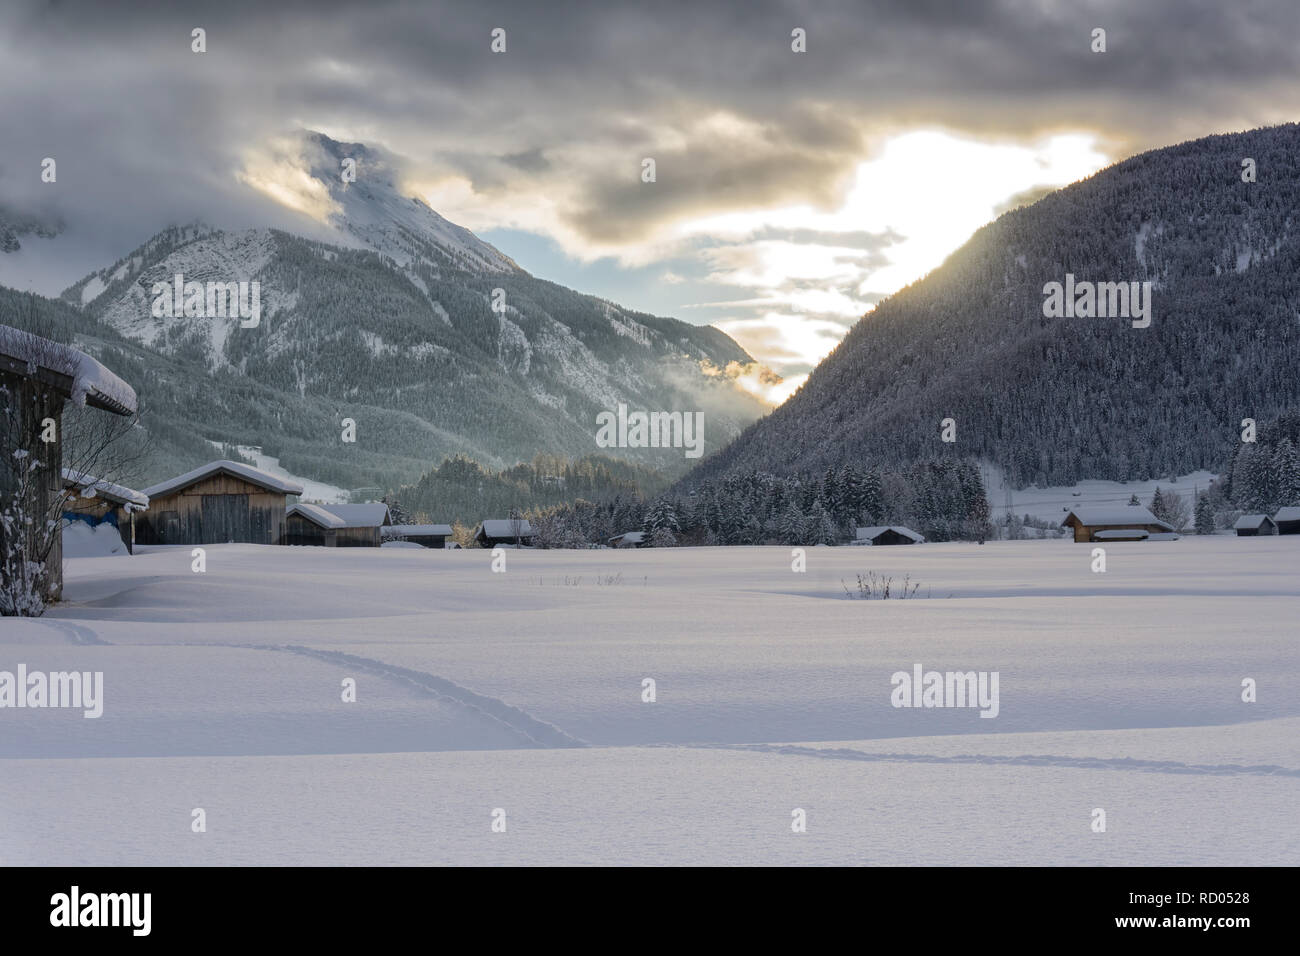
[(793, 190)]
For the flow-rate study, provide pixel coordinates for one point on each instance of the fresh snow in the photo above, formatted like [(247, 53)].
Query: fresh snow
[(317, 515), (91, 381), (523, 690), (316, 491), (92, 289), (247, 472), (1053, 503), (83, 540), (89, 486)]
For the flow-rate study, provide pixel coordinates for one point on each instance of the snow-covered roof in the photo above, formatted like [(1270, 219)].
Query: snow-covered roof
[(1287, 514), (876, 531), (404, 530), (236, 468), (505, 527), (1092, 516), (88, 486), (630, 537), (1251, 521), (316, 515), (369, 514), (91, 383), (1120, 534)]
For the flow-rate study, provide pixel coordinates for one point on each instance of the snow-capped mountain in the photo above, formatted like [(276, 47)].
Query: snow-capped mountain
[(413, 323), (372, 210)]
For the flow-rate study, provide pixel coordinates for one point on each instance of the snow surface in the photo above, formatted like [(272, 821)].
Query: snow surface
[(91, 381), (247, 472), (1052, 503), (523, 690), (398, 530), (89, 486), (369, 514), (315, 491), (82, 540), (317, 515), (506, 528), (866, 534)]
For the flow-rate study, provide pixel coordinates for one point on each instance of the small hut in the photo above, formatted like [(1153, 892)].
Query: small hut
[(1287, 520), (1250, 526), (1094, 523), (38, 377), (222, 501), (311, 525), (96, 502), (887, 534), (504, 531), (425, 535), (628, 539)]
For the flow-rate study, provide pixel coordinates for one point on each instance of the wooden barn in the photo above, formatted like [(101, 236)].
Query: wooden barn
[(311, 525), (38, 377), (504, 531), (338, 526), (1097, 523), (95, 502), (425, 535), (887, 534), (220, 502), (1287, 520), (1250, 526)]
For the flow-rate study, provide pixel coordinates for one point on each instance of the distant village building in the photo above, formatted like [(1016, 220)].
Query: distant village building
[(1115, 523), (95, 502), (628, 539), (1249, 526), (38, 378), (1287, 520), (495, 532), (222, 501), (886, 534), (425, 535), (337, 526)]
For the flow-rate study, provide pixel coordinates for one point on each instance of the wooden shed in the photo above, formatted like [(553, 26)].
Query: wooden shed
[(887, 534), (1250, 526), (38, 377), (1088, 521), (504, 531), (338, 526), (425, 535), (311, 525), (628, 539), (220, 502), (1287, 520), (96, 501)]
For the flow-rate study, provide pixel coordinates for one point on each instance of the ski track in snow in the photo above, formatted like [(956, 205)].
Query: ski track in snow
[(530, 728), (1019, 760)]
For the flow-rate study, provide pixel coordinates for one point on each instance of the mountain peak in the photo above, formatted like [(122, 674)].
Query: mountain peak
[(373, 209)]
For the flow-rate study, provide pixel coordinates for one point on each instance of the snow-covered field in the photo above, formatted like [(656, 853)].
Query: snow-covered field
[(523, 691), (1053, 503)]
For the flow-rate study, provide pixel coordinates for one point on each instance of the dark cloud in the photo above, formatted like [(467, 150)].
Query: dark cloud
[(147, 132)]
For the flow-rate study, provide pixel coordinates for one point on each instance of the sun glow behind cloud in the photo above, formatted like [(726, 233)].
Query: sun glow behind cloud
[(922, 197)]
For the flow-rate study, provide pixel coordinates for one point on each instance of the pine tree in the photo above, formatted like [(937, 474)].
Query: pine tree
[(1204, 515), (792, 525), (821, 530)]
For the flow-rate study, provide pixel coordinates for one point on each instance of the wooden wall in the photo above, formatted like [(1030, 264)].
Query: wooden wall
[(215, 510), (358, 537), (298, 530)]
